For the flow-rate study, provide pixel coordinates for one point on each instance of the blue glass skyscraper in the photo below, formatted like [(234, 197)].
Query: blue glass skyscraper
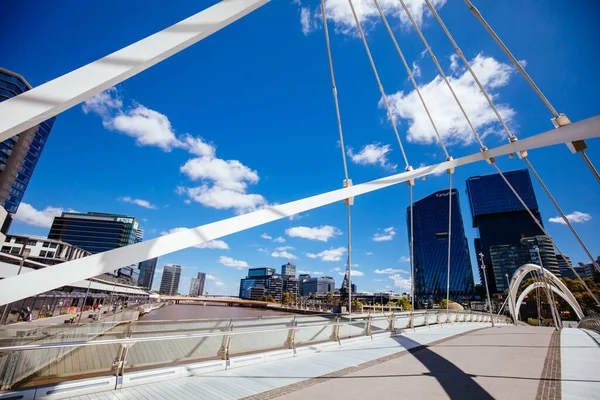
[(19, 154), (499, 216), (430, 254)]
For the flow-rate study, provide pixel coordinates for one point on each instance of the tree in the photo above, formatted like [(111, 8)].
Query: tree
[(268, 298), (430, 304), (329, 297), (404, 303), (286, 299)]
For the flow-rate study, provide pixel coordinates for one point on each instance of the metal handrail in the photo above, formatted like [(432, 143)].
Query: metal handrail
[(209, 334)]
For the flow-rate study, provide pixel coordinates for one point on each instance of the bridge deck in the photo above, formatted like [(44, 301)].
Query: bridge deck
[(457, 361)]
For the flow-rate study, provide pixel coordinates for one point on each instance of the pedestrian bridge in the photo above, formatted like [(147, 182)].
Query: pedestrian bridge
[(425, 354)]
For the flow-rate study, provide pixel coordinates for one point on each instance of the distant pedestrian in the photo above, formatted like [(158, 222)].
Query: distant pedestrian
[(95, 307)]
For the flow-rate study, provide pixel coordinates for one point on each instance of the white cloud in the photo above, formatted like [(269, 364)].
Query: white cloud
[(337, 269), (213, 244), (308, 20), (217, 281), (265, 236), (222, 199), (284, 248), (279, 240), (378, 280), (340, 13), (283, 254), (369, 253), (329, 255), (223, 182), (139, 202), (319, 273), (41, 218), (297, 217), (187, 201), (453, 62), (374, 153), (416, 70), (404, 259), (230, 262), (445, 112), (401, 282), (353, 273), (387, 235), (263, 250), (523, 63), (389, 271), (321, 233), (575, 217)]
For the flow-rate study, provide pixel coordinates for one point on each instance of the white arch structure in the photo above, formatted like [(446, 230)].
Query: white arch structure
[(556, 285), (47, 100)]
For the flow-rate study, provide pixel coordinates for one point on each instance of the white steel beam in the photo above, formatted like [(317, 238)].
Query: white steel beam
[(42, 280), (45, 101)]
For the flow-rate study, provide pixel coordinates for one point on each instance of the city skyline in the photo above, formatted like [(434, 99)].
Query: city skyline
[(84, 181)]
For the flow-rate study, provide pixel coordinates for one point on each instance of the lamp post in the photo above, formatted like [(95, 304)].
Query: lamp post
[(487, 290), (24, 254), (512, 305)]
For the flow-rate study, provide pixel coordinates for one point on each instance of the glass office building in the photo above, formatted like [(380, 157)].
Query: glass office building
[(147, 269), (169, 283), (19, 154), (261, 281), (499, 216), (96, 232), (430, 253)]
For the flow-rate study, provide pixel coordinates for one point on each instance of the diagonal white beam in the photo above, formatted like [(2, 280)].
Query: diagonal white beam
[(45, 101), (19, 287)]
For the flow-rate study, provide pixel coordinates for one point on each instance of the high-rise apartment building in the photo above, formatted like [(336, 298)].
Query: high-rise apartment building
[(499, 216), (19, 154), (430, 249), (96, 232), (169, 284), (195, 287), (288, 269), (147, 269)]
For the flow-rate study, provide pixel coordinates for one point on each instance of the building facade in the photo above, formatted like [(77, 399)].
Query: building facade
[(316, 286), (541, 246), (169, 283), (195, 287), (288, 269), (261, 280), (201, 283), (96, 232), (18, 155), (499, 216), (147, 269), (45, 251), (430, 249)]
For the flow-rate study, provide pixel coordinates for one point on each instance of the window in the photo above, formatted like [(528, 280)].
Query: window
[(50, 254), (42, 253), (20, 240), (6, 249), (15, 250), (53, 245), (46, 244), (32, 242)]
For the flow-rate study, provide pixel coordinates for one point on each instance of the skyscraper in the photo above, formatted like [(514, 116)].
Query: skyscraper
[(430, 253), (19, 154), (96, 232), (147, 269), (169, 284), (201, 283), (499, 216), (195, 287)]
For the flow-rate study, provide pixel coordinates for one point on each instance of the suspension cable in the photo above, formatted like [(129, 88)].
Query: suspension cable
[(559, 119), (412, 79), (511, 139), (441, 71), (412, 263), (383, 96), (347, 182), (449, 241), (543, 230)]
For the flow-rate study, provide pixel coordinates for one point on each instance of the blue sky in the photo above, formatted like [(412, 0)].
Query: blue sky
[(246, 118)]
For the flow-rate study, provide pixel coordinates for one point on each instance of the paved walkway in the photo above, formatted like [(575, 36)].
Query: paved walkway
[(580, 364)]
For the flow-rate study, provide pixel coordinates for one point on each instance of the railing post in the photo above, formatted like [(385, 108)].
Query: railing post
[(392, 323), (426, 318), (368, 325), (291, 338), (438, 320), (335, 334), (411, 320), (223, 352), (121, 359)]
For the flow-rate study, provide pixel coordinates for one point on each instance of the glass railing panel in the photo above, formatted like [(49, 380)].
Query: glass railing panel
[(246, 343), (312, 333)]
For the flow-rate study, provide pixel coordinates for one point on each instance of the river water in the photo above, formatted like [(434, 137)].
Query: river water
[(199, 311)]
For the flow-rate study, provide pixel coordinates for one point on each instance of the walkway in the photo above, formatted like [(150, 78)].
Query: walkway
[(468, 361)]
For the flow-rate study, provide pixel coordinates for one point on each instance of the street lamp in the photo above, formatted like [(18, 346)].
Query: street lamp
[(24, 254), (487, 290)]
